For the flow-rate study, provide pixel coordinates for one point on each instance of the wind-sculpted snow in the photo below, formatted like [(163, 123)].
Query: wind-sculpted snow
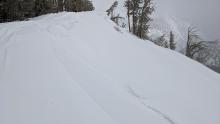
[(80, 68)]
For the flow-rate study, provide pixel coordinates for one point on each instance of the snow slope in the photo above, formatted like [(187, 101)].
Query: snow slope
[(80, 68)]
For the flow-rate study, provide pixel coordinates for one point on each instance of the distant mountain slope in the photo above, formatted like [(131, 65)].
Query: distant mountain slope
[(164, 24)]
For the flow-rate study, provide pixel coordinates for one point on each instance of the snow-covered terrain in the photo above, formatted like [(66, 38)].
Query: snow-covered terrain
[(80, 68)]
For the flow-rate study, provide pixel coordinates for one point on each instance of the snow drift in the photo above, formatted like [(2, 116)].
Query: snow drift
[(80, 68)]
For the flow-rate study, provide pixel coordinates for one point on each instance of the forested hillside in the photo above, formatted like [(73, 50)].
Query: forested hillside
[(22, 9)]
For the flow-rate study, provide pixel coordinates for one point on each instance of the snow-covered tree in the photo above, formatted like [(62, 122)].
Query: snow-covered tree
[(110, 11), (161, 41)]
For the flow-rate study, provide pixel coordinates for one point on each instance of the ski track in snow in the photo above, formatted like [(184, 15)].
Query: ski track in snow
[(141, 100), (5, 59), (5, 43), (166, 117)]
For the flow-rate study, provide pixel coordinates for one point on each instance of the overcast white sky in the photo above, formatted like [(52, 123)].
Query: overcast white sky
[(205, 14)]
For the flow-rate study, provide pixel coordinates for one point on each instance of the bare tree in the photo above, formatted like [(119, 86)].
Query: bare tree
[(116, 19), (194, 45), (210, 55)]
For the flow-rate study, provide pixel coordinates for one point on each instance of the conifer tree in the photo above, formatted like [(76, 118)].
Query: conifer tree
[(11, 10), (28, 8), (139, 11), (61, 5), (128, 5), (41, 7), (87, 5), (135, 15), (144, 19), (172, 42), (161, 41), (3, 11)]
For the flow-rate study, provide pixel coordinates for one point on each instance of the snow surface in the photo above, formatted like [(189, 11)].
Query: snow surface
[(80, 68)]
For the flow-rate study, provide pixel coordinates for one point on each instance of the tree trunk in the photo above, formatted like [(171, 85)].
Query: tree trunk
[(128, 14), (134, 23)]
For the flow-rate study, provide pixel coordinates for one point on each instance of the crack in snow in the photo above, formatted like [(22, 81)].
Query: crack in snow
[(133, 92)]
